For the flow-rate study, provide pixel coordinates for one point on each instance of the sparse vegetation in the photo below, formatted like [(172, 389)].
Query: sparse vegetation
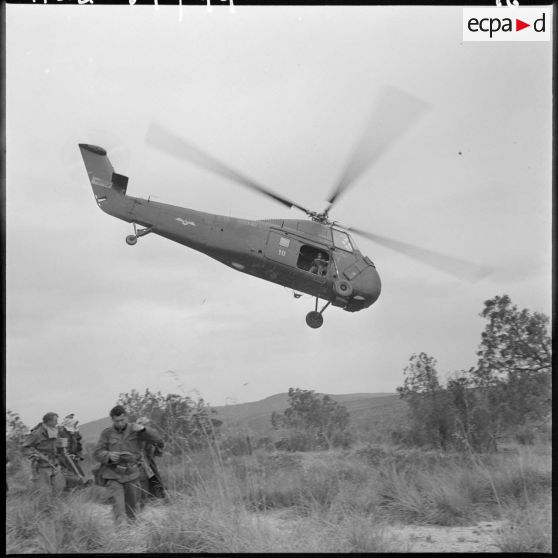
[(328, 501), (506, 396), (183, 422), (16, 431), (528, 528), (322, 490), (311, 422)]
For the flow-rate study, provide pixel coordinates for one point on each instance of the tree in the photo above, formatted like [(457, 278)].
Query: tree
[(429, 405), (514, 370), (421, 377), (313, 422), (183, 423), (149, 404), (16, 431), (508, 392), (513, 342), (472, 428)]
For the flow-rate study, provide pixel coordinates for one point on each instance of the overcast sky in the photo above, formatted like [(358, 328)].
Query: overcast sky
[(282, 94)]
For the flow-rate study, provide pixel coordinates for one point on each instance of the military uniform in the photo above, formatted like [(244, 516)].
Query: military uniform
[(319, 266), (73, 451), (122, 478), (46, 475)]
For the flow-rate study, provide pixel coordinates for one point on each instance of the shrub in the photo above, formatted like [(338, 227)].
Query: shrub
[(528, 528)]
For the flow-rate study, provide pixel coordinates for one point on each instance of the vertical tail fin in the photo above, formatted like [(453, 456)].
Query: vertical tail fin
[(100, 170)]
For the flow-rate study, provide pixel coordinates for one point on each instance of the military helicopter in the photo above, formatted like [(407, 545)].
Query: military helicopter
[(318, 256)]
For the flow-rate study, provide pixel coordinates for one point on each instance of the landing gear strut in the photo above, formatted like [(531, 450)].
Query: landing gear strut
[(132, 239), (315, 319)]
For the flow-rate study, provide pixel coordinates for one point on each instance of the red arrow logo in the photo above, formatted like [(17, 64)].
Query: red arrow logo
[(519, 25)]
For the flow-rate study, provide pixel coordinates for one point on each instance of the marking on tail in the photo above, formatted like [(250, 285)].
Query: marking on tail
[(100, 182)]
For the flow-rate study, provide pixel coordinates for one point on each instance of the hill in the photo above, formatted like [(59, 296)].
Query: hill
[(368, 411), (90, 431), (372, 414)]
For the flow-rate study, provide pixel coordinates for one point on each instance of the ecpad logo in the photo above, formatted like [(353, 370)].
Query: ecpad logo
[(507, 24)]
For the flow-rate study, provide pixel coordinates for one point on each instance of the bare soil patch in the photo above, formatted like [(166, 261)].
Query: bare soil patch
[(431, 538), (415, 538)]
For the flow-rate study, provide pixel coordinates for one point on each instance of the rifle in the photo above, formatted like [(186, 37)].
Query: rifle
[(37, 454), (73, 466)]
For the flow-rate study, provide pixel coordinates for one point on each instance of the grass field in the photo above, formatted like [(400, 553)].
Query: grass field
[(331, 501)]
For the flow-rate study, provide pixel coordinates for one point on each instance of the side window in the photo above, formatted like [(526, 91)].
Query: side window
[(312, 259)]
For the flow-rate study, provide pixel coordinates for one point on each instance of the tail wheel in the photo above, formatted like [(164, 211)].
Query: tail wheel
[(131, 239), (343, 288), (314, 319)]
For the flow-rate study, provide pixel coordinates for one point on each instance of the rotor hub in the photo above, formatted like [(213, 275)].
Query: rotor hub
[(322, 218)]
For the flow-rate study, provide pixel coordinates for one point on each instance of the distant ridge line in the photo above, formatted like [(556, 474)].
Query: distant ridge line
[(333, 396), (256, 415)]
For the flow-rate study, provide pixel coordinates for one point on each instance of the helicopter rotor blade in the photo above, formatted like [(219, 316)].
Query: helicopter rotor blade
[(173, 145), (457, 267), (390, 118)]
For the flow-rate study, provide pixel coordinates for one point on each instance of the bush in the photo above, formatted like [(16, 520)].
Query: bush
[(312, 423), (525, 435), (528, 528), (235, 444)]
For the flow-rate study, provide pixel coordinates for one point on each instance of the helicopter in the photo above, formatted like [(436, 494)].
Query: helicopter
[(315, 256)]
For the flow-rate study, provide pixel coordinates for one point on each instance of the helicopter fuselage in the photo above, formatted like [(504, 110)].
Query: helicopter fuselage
[(283, 251), (277, 250)]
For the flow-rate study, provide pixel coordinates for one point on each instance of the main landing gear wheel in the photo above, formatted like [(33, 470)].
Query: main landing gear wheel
[(131, 239), (314, 319)]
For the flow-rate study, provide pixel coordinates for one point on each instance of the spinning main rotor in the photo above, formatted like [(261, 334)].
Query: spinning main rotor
[(394, 113)]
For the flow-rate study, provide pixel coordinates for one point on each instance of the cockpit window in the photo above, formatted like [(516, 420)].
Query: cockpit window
[(341, 240)]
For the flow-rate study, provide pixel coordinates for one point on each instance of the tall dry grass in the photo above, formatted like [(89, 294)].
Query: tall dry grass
[(528, 527), (332, 501)]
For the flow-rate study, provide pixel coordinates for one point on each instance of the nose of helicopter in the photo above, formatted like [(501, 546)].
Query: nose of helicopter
[(366, 288)]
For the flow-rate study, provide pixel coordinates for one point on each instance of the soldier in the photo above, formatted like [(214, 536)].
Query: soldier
[(69, 429), (119, 450), (71, 450), (319, 265), (40, 448)]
